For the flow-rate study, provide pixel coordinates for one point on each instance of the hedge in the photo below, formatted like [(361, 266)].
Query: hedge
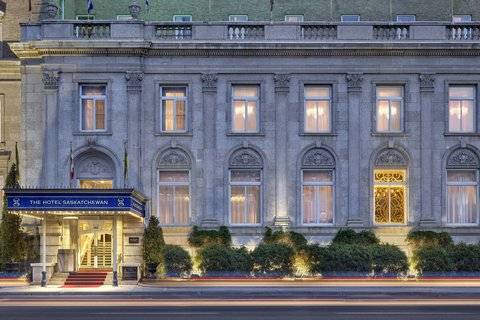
[(388, 259), (219, 259), (420, 238), (349, 236), (453, 258), (273, 259), (177, 260), (199, 238), (292, 239)]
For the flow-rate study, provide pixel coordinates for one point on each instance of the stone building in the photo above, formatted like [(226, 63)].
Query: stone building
[(357, 115)]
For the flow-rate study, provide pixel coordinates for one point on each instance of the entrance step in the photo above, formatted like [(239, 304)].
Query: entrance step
[(85, 279)]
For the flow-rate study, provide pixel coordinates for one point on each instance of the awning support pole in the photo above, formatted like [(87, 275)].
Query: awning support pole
[(115, 267), (44, 252)]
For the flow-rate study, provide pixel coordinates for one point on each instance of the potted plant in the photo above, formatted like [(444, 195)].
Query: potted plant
[(153, 245)]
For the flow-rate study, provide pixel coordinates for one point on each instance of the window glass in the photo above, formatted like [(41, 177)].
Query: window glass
[(123, 17), (174, 197), (245, 115), (93, 107), (462, 197), (96, 184), (317, 109), (389, 108), (406, 18), (318, 197), (294, 18), (245, 195), (350, 18), (390, 196), (238, 18), (462, 109), (174, 109), (182, 18), (462, 18)]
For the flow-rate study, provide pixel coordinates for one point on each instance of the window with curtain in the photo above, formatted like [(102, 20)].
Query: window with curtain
[(174, 197), (174, 109), (390, 187), (462, 197), (461, 109), (317, 196), (245, 197), (245, 108), (93, 107), (389, 108), (318, 105)]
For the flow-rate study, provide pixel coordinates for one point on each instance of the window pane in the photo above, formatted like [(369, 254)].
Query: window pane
[(310, 116), (245, 91), (397, 205), (96, 184), (294, 18), (100, 114), (317, 91), (251, 116), (325, 206), (382, 115), (166, 205), (238, 18), (317, 176), (455, 116), (381, 205), (462, 204), (238, 121), (350, 18), (180, 115), (253, 204), (245, 176), (182, 205), (389, 91), (395, 116), (308, 204), (461, 176), (174, 92), (167, 115), (92, 90), (174, 176), (323, 119), (88, 109), (468, 115), (237, 203)]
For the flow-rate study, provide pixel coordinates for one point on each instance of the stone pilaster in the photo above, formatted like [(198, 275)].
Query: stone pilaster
[(427, 89), (210, 218), (354, 86), (51, 81), (282, 88), (134, 81)]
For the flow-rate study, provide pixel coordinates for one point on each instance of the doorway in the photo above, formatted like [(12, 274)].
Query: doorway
[(95, 244)]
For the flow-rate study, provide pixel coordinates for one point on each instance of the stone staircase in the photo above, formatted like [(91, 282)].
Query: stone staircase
[(58, 279), (86, 279), (104, 256)]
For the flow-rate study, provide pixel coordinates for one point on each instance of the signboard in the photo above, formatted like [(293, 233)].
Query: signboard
[(133, 240)]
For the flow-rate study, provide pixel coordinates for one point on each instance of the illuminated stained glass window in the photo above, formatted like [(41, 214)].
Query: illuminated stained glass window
[(390, 196)]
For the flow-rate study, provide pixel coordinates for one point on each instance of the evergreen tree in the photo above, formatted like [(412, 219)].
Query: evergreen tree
[(153, 242)]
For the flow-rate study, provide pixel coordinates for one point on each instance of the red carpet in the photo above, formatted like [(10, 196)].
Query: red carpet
[(85, 279)]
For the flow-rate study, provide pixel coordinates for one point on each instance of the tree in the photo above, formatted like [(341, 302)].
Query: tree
[(153, 242)]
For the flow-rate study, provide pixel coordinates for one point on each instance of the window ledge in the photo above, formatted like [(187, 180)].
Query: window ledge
[(179, 134), (319, 134), (389, 134), (462, 134), (93, 133), (472, 225), (246, 134)]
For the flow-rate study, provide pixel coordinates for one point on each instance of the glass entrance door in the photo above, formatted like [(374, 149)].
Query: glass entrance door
[(95, 244)]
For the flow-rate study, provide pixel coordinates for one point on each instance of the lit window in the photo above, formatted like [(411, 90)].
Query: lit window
[(389, 108), (462, 18), (462, 196), (238, 18), (245, 195), (318, 197), (318, 102), (96, 184), (294, 18), (174, 109), (124, 17), (390, 196), (245, 109), (174, 197), (350, 18), (406, 18), (93, 108), (182, 18), (461, 109)]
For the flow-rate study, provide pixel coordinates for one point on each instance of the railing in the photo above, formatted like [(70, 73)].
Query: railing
[(174, 32), (318, 32), (391, 32), (91, 30), (463, 32), (246, 32)]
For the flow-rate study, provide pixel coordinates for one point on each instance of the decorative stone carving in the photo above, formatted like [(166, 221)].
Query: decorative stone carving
[(246, 158), (463, 158), (209, 81), (318, 158), (134, 80), (282, 82), (174, 158), (134, 9), (427, 81), (51, 10), (390, 158), (354, 80), (94, 166), (51, 80)]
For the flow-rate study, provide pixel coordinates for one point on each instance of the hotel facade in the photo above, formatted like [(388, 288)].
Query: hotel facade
[(311, 123)]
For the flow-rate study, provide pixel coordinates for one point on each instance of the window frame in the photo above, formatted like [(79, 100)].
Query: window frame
[(301, 16), (164, 98), (462, 184), (245, 184), (237, 15), (459, 18), (318, 98), (318, 184), (390, 99), (94, 98), (175, 16), (343, 16), (175, 184), (388, 185), (475, 107), (245, 99), (400, 16)]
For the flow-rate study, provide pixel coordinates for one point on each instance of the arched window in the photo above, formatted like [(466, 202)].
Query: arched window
[(318, 187), (94, 170), (245, 187), (174, 166), (390, 188), (462, 187)]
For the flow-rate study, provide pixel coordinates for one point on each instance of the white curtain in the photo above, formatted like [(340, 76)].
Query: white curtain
[(462, 196), (318, 197), (174, 194), (245, 196)]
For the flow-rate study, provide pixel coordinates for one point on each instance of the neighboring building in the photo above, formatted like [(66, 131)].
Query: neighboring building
[(310, 125)]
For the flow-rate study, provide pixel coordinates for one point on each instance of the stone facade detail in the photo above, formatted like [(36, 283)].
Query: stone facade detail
[(463, 158), (391, 158), (209, 81), (51, 80), (318, 158), (134, 80), (354, 81), (174, 158), (94, 165), (246, 158), (427, 81), (282, 81)]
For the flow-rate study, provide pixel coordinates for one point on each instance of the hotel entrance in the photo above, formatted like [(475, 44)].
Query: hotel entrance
[(95, 244)]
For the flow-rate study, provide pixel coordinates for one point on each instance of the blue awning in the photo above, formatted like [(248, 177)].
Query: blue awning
[(38, 202)]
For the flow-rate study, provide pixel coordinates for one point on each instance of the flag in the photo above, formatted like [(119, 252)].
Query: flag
[(17, 161), (89, 6), (125, 164), (72, 167), (147, 4), (271, 4)]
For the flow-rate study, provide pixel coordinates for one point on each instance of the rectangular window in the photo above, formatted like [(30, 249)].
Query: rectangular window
[(294, 18), (406, 18), (174, 197), (461, 108), (245, 108), (96, 184), (350, 18), (182, 18), (174, 109), (462, 18), (318, 109), (245, 197), (93, 107), (86, 17), (390, 196), (317, 197), (462, 197), (238, 18), (389, 108), (124, 17)]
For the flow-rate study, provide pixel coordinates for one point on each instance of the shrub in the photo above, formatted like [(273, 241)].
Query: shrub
[(314, 255), (345, 258), (218, 258), (273, 258), (421, 238), (349, 236), (177, 260), (293, 239), (465, 257), (153, 242), (388, 259), (433, 259), (199, 238)]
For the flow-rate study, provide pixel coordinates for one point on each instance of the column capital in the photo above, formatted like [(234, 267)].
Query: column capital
[(209, 81), (427, 82), (134, 80), (51, 80), (282, 82), (354, 81)]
